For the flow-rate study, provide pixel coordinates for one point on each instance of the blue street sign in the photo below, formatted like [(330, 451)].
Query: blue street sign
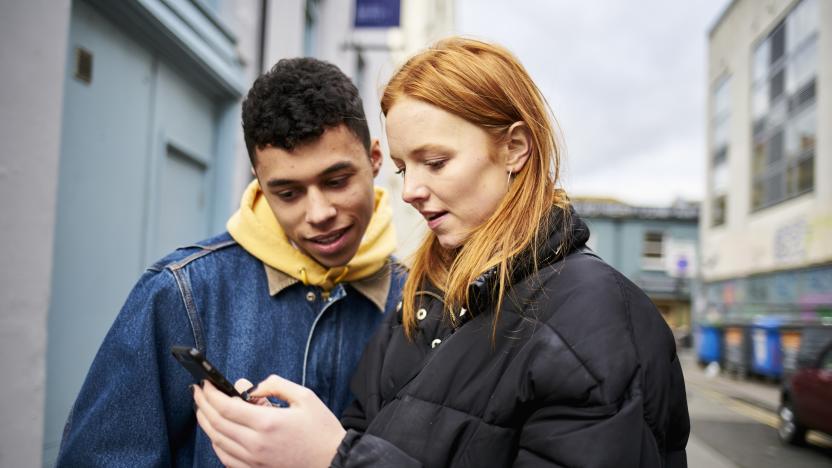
[(377, 13)]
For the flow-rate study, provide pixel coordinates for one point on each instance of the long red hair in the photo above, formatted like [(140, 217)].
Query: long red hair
[(487, 86)]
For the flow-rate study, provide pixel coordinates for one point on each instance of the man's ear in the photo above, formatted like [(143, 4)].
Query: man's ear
[(518, 146), (375, 156)]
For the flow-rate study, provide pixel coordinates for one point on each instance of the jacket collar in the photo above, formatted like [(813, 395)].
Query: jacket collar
[(375, 287), (564, 235)]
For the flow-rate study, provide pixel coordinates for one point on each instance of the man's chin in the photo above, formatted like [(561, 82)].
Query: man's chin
[(337, 259)]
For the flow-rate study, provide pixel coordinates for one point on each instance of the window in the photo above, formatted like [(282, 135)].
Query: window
[(784, 126), (720, 125), (652, 255), (718, 210), (310, 27)]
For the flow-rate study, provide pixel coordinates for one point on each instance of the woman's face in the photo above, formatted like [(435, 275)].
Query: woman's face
[(453, 172)]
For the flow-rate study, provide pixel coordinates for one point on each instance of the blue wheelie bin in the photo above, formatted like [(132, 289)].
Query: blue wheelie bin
[(767, 355), (709, 343)]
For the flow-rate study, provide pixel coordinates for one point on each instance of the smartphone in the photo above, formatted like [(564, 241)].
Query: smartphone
[(201, 369)]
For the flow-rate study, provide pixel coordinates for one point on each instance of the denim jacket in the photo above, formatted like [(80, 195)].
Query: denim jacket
[(135, 407)]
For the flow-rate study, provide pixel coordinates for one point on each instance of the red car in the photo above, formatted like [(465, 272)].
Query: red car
[(806, 397)]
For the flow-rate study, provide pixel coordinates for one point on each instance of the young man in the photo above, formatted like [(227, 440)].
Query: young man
[(295, 287)]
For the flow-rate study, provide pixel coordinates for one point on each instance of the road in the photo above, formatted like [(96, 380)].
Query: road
[(728, 432)]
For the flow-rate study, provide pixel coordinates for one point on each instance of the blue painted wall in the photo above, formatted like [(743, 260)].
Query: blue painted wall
[(146, 149)]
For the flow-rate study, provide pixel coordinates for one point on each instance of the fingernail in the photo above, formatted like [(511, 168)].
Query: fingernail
[(247, 393)]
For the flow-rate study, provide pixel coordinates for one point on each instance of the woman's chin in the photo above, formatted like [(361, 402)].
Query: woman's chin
[(449, 241)]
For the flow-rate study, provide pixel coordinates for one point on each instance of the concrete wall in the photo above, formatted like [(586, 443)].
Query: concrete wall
[(794, 233), (30, 128)]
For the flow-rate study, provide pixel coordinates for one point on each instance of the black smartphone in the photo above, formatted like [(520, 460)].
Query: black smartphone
[(201, 369)]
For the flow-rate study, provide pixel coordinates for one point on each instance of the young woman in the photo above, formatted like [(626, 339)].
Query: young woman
[(515, 345)]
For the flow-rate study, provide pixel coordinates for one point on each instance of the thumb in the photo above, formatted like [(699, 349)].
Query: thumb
[(242, 385), (281, 388)]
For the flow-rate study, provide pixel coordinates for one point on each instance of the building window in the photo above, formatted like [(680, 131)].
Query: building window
[(310, 27), (652, 252), (720, 125), (784, 127)]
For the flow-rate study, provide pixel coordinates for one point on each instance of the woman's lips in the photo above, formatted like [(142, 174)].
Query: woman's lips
[(434, 220)]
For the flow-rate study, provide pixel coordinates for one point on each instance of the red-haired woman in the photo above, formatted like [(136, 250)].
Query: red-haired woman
[(515, 345)]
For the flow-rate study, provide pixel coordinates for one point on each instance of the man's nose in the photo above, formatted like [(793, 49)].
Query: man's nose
[(319, 209)]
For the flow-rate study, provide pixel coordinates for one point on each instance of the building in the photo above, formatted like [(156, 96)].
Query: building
[(655, 247), (766, 229), (119, 124)]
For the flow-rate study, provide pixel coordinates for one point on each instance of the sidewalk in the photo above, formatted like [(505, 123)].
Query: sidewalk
[(763, 395), (700, 455)]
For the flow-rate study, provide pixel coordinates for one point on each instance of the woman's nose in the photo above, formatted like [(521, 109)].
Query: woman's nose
[(414, 190)]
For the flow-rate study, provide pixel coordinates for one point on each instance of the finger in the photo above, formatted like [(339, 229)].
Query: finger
[(227, 459), (243, 418), (227, 450), (242, 385), (209, 401), (281, 388)]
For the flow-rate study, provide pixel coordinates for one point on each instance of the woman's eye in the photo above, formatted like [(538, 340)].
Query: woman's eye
[(400, 171), (436, 163)]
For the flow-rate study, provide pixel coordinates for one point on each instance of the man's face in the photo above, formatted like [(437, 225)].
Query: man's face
[(321, 193)]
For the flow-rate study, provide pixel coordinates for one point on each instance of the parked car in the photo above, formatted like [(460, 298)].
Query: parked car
[(806, 396)]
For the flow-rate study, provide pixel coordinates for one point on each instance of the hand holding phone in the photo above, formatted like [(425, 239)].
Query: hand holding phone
[(199, 367)]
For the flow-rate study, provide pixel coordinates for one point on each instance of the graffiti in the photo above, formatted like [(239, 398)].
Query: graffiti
[(790, 242)]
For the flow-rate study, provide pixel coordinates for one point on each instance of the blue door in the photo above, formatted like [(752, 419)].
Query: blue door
[(137, 163)]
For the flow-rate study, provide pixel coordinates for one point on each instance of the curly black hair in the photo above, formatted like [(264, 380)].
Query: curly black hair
[(295, 101)]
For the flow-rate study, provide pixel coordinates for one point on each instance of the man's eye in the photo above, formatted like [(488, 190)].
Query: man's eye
[(287, 195), (337, 182)]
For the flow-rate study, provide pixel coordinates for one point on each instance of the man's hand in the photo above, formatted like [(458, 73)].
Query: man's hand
[(306, 434)]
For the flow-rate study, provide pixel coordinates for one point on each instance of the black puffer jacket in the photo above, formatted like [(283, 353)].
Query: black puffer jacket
[(583, 373)]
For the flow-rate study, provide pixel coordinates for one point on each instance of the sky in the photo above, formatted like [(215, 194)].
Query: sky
[(626, 81)]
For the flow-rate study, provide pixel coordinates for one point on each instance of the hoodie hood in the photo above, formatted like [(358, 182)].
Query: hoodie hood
[(256, 229)]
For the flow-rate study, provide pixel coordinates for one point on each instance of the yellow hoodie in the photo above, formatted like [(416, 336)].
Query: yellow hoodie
[(256, 229)]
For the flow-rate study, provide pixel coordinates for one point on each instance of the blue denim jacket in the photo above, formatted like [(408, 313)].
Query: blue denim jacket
[(135, 407)]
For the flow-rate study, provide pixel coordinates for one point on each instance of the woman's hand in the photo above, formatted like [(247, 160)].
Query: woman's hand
[(306, 434)]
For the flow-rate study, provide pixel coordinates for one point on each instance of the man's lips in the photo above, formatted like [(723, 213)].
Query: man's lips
[(328, 238)]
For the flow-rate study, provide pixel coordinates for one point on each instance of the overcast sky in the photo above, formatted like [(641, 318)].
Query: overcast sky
[(626, 81)]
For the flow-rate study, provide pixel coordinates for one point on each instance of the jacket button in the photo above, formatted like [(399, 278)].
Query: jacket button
[(421, 314), (399, 306), (462, 312), (435, 343), (310, 296)]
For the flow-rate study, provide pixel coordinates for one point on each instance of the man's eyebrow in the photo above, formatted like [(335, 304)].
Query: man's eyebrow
[(339, 166)]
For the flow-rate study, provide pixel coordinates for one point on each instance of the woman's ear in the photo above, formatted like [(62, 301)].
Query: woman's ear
[(518, 146)]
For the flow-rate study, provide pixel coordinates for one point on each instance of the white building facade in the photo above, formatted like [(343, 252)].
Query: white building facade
[(766, 226)]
